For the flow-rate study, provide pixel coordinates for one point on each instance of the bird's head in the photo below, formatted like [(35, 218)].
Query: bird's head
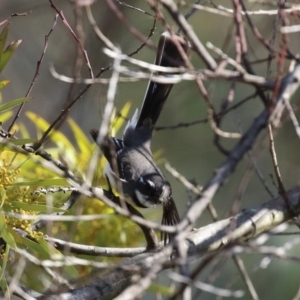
[(152, 189)]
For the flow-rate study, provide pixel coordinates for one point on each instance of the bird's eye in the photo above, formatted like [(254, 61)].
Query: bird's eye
[(146, 182), (146, 187), (150, 183)]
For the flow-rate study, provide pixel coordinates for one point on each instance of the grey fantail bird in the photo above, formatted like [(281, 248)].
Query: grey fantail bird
[(130, 159)]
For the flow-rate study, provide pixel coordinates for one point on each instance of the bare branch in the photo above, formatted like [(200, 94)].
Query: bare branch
[(213, 237)]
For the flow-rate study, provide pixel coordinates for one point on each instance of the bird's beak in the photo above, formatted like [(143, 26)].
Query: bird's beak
[(165, 194)]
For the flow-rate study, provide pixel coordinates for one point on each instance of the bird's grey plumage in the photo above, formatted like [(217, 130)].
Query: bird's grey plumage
[(131, 162)]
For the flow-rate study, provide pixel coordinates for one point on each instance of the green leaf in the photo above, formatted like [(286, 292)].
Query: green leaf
[(4, 264), (5, 116), (3, 38), (71, 270), (16, 237), (3, 83), (43, 208), (8, 52), (22, 141), (2, 196), (23, 131), (11, 104), (116, 125), (42, 182), (2, 222), (4, 286), (8, 238), (35, 246), (56, 136), (82, 141), (157, 288)]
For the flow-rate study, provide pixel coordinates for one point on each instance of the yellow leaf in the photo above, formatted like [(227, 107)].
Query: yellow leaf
[(119, 121), (56, 136), (81, 139)]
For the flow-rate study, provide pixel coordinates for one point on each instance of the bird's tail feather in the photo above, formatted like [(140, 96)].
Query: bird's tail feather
[(168, 55), (170, 218)]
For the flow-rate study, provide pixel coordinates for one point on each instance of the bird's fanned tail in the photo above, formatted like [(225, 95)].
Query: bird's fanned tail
[(168, 55), (170, 217)]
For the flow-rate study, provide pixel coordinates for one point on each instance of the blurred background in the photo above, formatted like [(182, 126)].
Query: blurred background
[(188, 149)]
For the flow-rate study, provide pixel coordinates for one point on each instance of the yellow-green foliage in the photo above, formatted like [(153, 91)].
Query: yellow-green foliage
[(22, 173), (112, 230)]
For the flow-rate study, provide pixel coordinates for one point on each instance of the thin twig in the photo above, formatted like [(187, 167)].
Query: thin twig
[(36, 74)]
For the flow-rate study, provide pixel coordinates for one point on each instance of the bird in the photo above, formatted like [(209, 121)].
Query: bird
[(131, 167)]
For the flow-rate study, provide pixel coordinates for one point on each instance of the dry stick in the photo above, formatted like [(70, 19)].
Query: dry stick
[(219, 132), (84, 52), (246, 278), (67, 261), (241, 53), (292, 117), (288, 87), (135, 8), (181, 125), (105, 196), (212, 237), (94, 250), (70, 105), (84, 188), (227, 11), (135, 290), (204, 263), (26, 294), (235, 207), (240, 7), (205, 287), (204, 74), (25, 14), (80, 49), (97, 30), (191, 187), (257, 34), (218, 117), (219, 180), (188, 31), (196, 190), (258, 221), (216, 267), (181, 250), (243, 48), (234, 63), (192, 123), (16, 278), (281, 63), (131, 28), (149, 234), (38, 144), (281, 189), (66, 206), (278, 82), (35, 74), (109, 44), (77, 67), (192, 10), (247, 175)]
